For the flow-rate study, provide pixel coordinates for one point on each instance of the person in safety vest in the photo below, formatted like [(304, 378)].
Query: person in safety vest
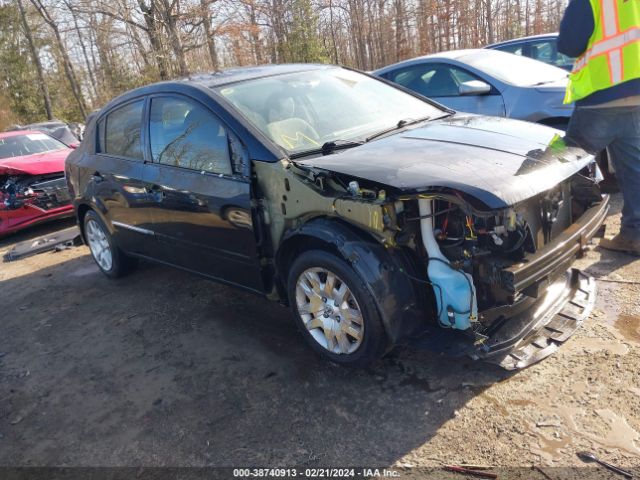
[(604, 35)]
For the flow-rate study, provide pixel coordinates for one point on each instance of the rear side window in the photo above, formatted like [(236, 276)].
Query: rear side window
[(185, 134), (122, 129), (547, 52), (516, 48)]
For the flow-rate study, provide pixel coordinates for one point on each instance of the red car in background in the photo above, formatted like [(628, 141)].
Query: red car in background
[(32, 184)]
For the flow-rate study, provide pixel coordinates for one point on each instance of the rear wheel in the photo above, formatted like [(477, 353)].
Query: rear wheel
[(110, 259), (334, 309)]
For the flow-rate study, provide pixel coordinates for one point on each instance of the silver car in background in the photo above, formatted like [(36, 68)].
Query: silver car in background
[(487, 82)]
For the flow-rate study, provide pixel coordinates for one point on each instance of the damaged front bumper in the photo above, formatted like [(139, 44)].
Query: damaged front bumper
[(549, 302), (31, 202), (557, 255), (553, 299), (538, 331)]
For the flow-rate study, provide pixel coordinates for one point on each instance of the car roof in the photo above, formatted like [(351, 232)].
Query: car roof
[(233, 75), (212, 80), (524, 39), (458, 55), (17, 133)]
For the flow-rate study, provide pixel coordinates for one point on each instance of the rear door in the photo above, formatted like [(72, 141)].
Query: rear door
[(201, 197), (441, 82), (116, 176)]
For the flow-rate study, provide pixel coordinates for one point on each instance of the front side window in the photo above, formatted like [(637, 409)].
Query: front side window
[(433, 80), (185, 134), (302, 111), (122, 131), (28, 144)]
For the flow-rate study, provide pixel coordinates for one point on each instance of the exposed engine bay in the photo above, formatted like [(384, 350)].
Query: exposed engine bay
[(482, 266), (45, 192), (466, 250)]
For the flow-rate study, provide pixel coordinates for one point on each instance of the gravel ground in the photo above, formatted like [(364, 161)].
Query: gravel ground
[(166, 369)]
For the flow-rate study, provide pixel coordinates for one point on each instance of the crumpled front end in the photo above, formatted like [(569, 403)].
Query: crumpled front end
[(527, 297), (29, 199), (489, 252), (539, 326)]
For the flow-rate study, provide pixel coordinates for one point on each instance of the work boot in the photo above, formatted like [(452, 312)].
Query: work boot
[(622, 243)]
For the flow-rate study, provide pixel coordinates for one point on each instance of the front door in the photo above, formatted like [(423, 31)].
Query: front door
[(201, 206), (441, 82)]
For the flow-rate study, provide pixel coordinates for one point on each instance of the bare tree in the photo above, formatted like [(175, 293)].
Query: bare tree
[(66, 61), (42, 84)]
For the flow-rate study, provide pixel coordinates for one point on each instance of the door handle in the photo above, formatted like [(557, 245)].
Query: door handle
[(96, 177)]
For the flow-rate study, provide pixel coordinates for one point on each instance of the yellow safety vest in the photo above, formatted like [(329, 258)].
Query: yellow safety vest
[(613, 54)]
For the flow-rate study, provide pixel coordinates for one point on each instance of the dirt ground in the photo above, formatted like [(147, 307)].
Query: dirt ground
[(167, 369)]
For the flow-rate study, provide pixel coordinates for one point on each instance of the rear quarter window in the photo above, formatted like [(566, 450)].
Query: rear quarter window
[(119, 133)]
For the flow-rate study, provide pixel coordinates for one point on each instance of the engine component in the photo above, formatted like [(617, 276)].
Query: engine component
[(454, 289), (45, 192)]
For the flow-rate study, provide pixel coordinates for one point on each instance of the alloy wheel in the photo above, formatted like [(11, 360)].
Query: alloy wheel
[(99, 245)]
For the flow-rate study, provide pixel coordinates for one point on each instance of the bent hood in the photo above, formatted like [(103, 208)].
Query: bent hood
[(499, 161), (38, 164)]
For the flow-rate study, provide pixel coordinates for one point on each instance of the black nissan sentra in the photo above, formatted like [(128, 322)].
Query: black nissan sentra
[(379, 216)]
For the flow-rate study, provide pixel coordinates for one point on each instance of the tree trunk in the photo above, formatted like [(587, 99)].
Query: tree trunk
[(42, 84), (208, 31), (334, 45), (150, 14), (490, 31), (76, 26), (255, 33), (66, 61), (174, 37)]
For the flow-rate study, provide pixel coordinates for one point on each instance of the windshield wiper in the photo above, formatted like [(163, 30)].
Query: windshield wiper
[(329, 147), (401, 124)]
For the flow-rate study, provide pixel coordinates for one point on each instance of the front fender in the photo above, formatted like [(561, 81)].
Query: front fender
[(402, 304)]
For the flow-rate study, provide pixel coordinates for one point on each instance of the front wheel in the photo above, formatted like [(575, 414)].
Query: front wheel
[(335, 310), (110, 259)]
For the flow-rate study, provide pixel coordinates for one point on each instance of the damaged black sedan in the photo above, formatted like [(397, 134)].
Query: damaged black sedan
[(380, 217)]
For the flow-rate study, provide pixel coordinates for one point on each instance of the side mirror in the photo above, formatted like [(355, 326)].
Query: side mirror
[(474, 87)]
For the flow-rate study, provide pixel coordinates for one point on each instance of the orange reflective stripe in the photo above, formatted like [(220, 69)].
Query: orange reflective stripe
[(612, 41), (606, 46)]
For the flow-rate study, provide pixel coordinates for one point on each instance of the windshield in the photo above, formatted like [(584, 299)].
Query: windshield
[(303, 111), (514, 69), (28, 144)]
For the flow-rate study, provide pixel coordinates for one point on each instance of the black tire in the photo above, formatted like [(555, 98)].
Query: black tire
[(373, 341), (120, 264)]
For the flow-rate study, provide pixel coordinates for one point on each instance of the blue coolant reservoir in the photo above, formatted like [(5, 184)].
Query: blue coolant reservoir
[(455, 295), (454, 290)]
